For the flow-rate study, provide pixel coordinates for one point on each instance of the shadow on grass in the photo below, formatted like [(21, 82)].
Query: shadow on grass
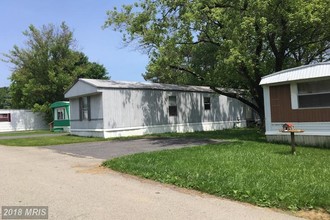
[(244, 134), (184, 141)]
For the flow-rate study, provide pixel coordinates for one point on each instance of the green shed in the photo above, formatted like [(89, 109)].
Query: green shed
[(61, 114)]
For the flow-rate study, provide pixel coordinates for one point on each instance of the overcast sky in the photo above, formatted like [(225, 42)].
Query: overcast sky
[(85, 17)]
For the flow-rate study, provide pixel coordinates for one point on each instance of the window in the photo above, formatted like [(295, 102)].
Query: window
[(173, 109), (84, 108), (207, 103), (60, 113), (5, 117), (314, 94)]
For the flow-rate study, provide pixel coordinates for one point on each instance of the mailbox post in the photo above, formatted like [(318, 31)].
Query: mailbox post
[(289, 128)]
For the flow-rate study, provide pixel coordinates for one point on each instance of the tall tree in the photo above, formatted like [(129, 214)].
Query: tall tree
[(4, 98), (225, 43), (47, 66)]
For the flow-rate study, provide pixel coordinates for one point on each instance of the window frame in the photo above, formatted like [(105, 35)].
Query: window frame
[(5, 119), (60, 112), (296, 96), (172, 106), (207, 103), (84, 108)]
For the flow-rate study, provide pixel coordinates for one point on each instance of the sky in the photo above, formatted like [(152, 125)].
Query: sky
[(85, 18)]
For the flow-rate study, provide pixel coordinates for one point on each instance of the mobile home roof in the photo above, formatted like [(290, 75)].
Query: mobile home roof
[(317, 70), (110, 84)]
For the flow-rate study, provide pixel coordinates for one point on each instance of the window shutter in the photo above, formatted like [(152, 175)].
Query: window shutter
[(89, 107), (80, 108)]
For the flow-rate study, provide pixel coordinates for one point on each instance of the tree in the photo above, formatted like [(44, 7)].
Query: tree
[(4, 98), (225, 44), (46, 67)]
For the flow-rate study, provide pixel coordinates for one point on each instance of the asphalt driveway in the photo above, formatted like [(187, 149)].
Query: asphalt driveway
[(77, 188), (112, 149)]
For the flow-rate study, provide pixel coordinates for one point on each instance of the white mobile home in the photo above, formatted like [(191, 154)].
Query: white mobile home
[(21, 120), (107, 108), (300, 96)]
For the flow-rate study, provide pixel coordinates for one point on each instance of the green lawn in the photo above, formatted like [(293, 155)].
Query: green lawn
[(246, 134), (21, 133), (46, 141), (251, 171)]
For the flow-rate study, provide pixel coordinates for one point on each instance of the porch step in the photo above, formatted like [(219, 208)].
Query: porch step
[(58, 129)]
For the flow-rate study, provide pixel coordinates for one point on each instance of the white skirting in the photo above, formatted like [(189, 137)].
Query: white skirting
[(315, 133), (179, 128), (302, 139)]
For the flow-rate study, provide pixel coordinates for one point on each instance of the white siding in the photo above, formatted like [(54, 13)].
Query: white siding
[(131, 108), (74, 109), (22, 120), (134, 108), (80, 89), (310, 128), (307, 140), (267, 110), (96, 121)]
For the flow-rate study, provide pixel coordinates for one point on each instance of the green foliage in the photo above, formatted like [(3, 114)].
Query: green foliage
[(4, 98), (225, 43), (46, 67), (95, 71), (44, 108), (251, 171)]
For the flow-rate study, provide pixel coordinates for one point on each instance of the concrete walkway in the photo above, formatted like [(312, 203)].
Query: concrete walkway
[(77, 188)]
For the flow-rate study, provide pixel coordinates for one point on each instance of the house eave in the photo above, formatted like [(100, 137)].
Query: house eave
[(306, 72)]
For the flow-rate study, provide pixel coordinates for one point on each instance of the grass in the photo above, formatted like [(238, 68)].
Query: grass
[(248, 170), (232, 134), (246, 134), (21, 133), (46, 141)]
